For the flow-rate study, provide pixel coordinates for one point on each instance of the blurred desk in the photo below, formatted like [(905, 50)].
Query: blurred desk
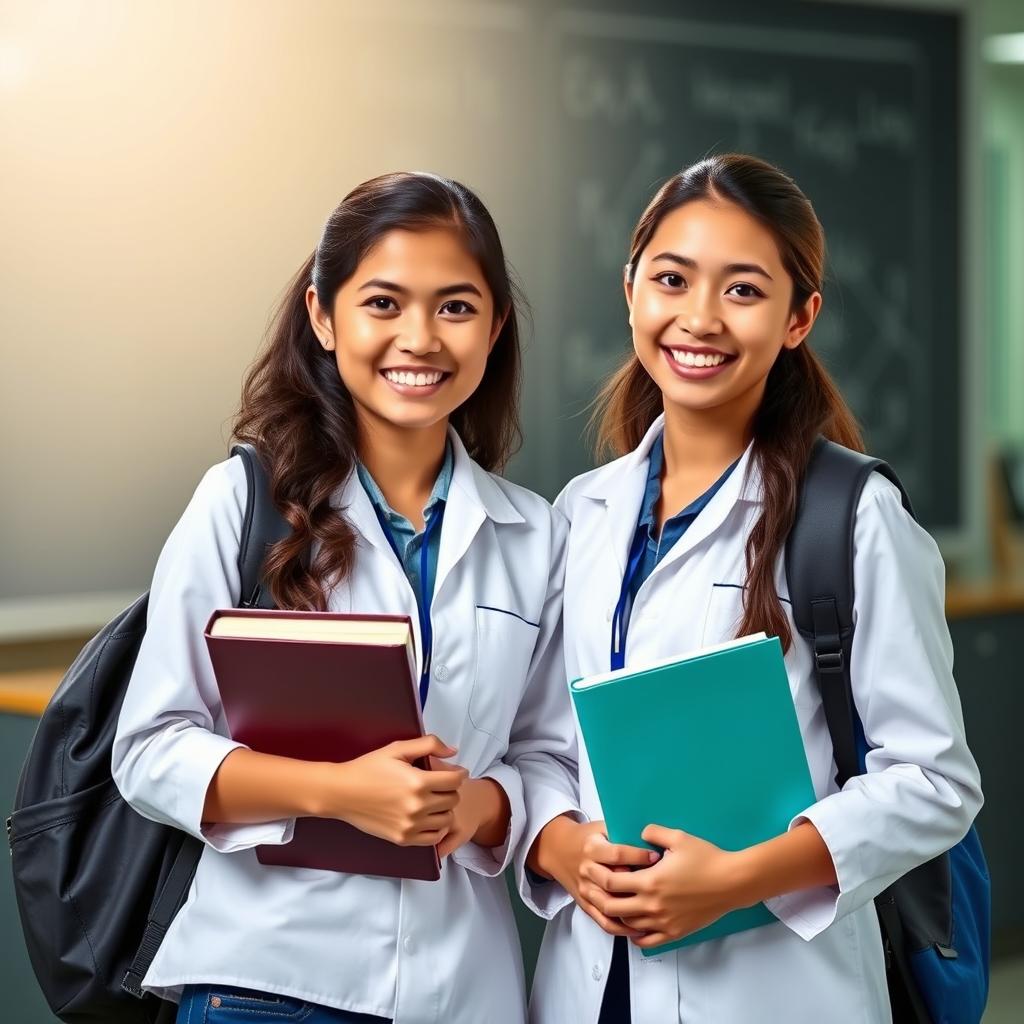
[(987, 626), (963, 601), (27, 693)]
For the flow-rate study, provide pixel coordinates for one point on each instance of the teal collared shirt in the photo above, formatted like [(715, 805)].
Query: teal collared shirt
[(657, 546), (404, 538)]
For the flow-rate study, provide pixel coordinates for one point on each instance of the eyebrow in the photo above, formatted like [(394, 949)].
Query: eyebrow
[(729, 268), (450, 289)]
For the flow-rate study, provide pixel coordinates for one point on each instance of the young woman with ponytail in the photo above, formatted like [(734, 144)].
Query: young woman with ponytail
[(713, 417), (384, 402)]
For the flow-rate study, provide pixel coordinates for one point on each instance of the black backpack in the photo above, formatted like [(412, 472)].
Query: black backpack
[(96, 883), (935, 920)]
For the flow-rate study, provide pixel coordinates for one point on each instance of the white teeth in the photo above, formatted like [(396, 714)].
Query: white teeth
[(413, 379), (697, 358)]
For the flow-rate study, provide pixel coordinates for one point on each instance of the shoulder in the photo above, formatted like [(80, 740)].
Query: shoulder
[(881, 504), (536, 510), (222, 489), (217, 506), (598, 480), (887, 537)]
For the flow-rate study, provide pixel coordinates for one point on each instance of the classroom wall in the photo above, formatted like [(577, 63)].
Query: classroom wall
[(167, 167)]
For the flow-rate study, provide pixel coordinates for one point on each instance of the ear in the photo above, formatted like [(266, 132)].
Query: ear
[(801, 321), (321, 322), (627, 285), (496, 329)]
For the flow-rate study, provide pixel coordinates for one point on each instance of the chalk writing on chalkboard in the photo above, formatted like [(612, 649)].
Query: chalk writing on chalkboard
[(640, 97)]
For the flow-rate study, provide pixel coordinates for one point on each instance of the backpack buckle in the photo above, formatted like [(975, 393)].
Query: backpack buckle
[(828, 654)]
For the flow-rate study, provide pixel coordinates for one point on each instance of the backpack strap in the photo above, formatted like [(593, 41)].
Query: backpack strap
[(819, 570), (262, 525)]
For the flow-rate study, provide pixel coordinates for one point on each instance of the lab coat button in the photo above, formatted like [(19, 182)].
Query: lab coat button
[(409, 944), (608, 614), (595, 972), (441, 673)]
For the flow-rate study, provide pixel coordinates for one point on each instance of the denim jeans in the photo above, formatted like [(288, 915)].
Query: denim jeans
[(222, 1004)]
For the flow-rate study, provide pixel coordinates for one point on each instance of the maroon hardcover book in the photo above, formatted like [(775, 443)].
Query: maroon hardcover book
[(323, 701)]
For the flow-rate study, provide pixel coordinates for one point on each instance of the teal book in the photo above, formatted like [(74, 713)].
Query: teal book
[(708, 743)]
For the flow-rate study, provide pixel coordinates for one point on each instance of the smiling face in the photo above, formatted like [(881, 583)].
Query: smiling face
[(411, 328), (711, 308)]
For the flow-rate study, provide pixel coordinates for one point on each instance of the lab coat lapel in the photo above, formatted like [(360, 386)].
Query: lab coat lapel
[(355, 505), (473, 497), (620, 488), (744, 484)]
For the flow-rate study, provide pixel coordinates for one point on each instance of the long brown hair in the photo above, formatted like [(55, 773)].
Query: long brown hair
[(800, 401), (297, 411)]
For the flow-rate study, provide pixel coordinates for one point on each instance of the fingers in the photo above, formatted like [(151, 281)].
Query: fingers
[(653, 939), (614, 880), (596, 847), (658, 835), (614, 906), (421, 746), (443, 821), (447, 781), (435, 803), (645, 924), (606, 923), (429, 837), (448, 845)]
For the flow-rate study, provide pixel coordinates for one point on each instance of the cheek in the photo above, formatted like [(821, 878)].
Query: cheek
[(651, 314)]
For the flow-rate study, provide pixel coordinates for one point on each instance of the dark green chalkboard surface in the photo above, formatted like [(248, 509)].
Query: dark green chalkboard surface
[(859, 104)]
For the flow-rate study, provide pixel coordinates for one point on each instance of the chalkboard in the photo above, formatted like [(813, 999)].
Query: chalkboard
[(860, 106), (232, 137)]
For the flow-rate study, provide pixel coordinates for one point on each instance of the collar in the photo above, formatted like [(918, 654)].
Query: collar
[(470, 487), (438, 494), (604, 484)]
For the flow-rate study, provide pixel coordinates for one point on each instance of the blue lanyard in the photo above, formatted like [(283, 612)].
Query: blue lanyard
[(423, 604), (620, 620)]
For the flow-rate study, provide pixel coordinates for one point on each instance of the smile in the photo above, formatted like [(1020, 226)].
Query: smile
[(414, 379), (692, 365)]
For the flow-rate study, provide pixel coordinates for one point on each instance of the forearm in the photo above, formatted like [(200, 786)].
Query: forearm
[(250, 787), (798, 859), (495, 813), (543, 856)]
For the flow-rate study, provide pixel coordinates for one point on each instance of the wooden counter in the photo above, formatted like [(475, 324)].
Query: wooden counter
[(27, 693), (964, 602)]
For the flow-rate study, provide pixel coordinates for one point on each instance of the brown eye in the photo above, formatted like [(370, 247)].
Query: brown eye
[(382, 303), (458, 307), (670, 279), (745, 291)]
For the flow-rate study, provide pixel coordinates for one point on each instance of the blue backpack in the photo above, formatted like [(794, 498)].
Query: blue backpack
[(935, 920)]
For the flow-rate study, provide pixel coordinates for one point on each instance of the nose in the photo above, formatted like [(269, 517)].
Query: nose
[(699, 314), (418, 337)]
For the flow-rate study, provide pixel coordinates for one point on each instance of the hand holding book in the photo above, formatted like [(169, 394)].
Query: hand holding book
[(384, 794), (695, 883)]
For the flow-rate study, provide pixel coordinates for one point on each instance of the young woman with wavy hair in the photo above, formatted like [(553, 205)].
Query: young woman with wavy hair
[(383, 404), (713, 417)]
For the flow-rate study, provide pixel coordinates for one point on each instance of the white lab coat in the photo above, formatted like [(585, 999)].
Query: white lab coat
[(823, 961), (420, 952)]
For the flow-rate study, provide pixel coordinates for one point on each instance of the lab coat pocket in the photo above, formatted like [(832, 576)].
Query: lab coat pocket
[(722, 622), (504, 649), (723, 615)]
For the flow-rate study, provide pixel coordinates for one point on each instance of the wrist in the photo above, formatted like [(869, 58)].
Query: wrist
[(491, 811), (742, 877), (326, 794), (548, 852)]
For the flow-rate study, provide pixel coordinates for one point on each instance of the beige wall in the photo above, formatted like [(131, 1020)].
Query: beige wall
[(165, 168)]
